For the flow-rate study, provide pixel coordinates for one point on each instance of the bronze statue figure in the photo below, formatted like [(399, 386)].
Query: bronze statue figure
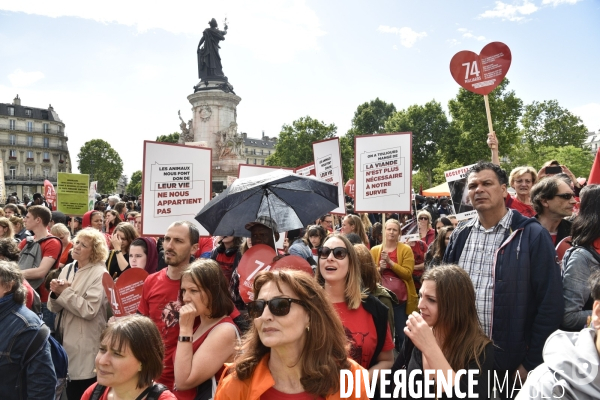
[(209, 61)]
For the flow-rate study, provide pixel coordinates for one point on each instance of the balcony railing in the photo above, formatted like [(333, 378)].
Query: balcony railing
[(51, 130), (32, 178), (35, 143)]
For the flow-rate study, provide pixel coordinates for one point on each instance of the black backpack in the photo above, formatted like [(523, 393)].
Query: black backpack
[(31, 257), (153, 392)]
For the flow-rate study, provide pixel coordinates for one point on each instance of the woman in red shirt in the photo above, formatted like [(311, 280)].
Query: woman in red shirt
[(522, 179)]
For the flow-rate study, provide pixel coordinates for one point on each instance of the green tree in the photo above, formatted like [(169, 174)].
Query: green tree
[(428, 125), (465, 141), (172, 138), (548, 124), (369, 118), (97, 158), (135, 184), (347, 150), (294, 146)]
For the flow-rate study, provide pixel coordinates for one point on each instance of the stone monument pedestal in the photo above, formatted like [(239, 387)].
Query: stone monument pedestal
[(214, 125)]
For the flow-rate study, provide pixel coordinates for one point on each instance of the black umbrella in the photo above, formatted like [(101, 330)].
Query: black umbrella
[(293, 201)]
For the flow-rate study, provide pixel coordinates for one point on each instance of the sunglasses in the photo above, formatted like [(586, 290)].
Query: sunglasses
[(278, 306), (566, 196), (339, 252), (423, 219)]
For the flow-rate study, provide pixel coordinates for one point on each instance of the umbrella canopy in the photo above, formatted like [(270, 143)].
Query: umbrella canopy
[(293, 201), (439, 190)]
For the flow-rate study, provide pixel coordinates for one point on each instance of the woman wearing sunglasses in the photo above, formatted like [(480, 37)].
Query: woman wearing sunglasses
[(583, 258), (296, 346), (396, 263), (426, 231), (203, 349), (365, 318)]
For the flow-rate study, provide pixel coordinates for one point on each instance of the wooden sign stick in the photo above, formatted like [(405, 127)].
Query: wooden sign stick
[(489, 117)]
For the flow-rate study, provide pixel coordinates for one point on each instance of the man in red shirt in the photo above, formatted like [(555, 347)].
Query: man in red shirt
[(36, 221), (160, 297)]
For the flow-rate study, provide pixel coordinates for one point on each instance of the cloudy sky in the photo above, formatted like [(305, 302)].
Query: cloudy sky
[(120, 70)]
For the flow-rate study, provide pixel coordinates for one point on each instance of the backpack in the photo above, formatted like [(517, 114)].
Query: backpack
[(153, 392), (31, 257), (58, 353)]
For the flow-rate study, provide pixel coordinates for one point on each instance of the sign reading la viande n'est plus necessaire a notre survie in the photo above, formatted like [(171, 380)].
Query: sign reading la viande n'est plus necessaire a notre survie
[(177, 185)]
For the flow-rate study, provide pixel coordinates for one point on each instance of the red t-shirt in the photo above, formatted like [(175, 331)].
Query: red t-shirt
[(205, 246), (274, 394), (516, 204), (226, 264), (362, 335), (160, 303), (191, 393), (50, 248), (64, 257), (166, 395)]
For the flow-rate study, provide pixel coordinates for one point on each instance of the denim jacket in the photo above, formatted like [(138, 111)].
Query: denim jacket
[(19, 327)]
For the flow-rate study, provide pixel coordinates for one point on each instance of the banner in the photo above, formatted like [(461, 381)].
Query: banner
[(328, 167), (459, 192), (125, 295), (306, 170), (176, 185), (50, 194), (72, 194), (92, 195), (2, 187), (383, 173), (249, 170)]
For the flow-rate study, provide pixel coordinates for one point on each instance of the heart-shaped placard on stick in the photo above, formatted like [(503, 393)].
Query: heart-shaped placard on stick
[(481, 73), (125, 295)]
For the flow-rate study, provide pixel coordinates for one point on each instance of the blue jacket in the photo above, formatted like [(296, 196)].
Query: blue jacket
[(527, 301), (19, 327)]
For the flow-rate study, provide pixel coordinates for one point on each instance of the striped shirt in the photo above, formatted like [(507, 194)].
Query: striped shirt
[(478, 258)]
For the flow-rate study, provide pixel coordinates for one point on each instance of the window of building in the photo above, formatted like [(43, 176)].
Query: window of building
[(46, 128), (46, 142), (46, 173), (269, 152), (262, 162), (12, 154), (255, 161), (11, 111), (29, 141), (29, 126), (12, 171), (61, 158), (13, 140), (247, 161), (30, 156), (46, 156), (28, 113), (29, 173), (12, 124), (246, 150)]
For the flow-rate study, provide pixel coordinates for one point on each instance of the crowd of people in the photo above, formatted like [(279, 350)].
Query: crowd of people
[(513, 293)]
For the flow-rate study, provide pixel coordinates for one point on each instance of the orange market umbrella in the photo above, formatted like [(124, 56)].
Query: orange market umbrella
[(439, 190)]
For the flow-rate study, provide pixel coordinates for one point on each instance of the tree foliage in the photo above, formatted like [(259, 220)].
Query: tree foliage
[(465, 141), (428, 124), (172, 138), (294, 146), (97, 158), (369, 118), (135, 184), (578, 160), (547, 124)]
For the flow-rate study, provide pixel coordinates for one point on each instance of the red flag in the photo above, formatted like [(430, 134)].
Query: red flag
[(594, 178), (50, 194)]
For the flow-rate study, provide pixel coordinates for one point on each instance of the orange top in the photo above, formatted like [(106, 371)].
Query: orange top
[(231, 388)]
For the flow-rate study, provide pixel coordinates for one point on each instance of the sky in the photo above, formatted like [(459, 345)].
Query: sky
[(121, 70)]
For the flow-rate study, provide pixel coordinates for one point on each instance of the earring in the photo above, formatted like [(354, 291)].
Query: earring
[(307, 328), (140, 370)]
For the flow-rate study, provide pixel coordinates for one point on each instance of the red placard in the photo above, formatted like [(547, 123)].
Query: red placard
[(350, 188), (50, 194), (481, 73), (260, 258), (125, 295)]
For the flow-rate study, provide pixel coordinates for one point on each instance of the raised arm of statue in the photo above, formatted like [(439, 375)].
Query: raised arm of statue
[(201, 41)]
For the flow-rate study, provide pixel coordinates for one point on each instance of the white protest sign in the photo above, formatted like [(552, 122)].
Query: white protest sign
[(328, 166), (383, 170), (459, 192), (92, 195), (306, 170), (176, 185), (248, 170)]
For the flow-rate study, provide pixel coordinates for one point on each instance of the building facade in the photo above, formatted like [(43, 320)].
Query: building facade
[(256, 151), (33, 147), (593, 141)]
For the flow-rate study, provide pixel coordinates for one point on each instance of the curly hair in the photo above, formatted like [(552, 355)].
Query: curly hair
[(325, 350), (98, 243)]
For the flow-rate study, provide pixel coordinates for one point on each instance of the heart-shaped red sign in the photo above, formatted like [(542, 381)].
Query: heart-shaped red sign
[(481, 73)]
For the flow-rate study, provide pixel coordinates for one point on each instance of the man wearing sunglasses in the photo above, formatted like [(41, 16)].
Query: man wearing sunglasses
[(553, 200), (512, 263)]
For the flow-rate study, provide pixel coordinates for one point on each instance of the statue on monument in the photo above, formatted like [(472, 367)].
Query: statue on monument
[(209, 61), (230, 144), (187, 132)]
